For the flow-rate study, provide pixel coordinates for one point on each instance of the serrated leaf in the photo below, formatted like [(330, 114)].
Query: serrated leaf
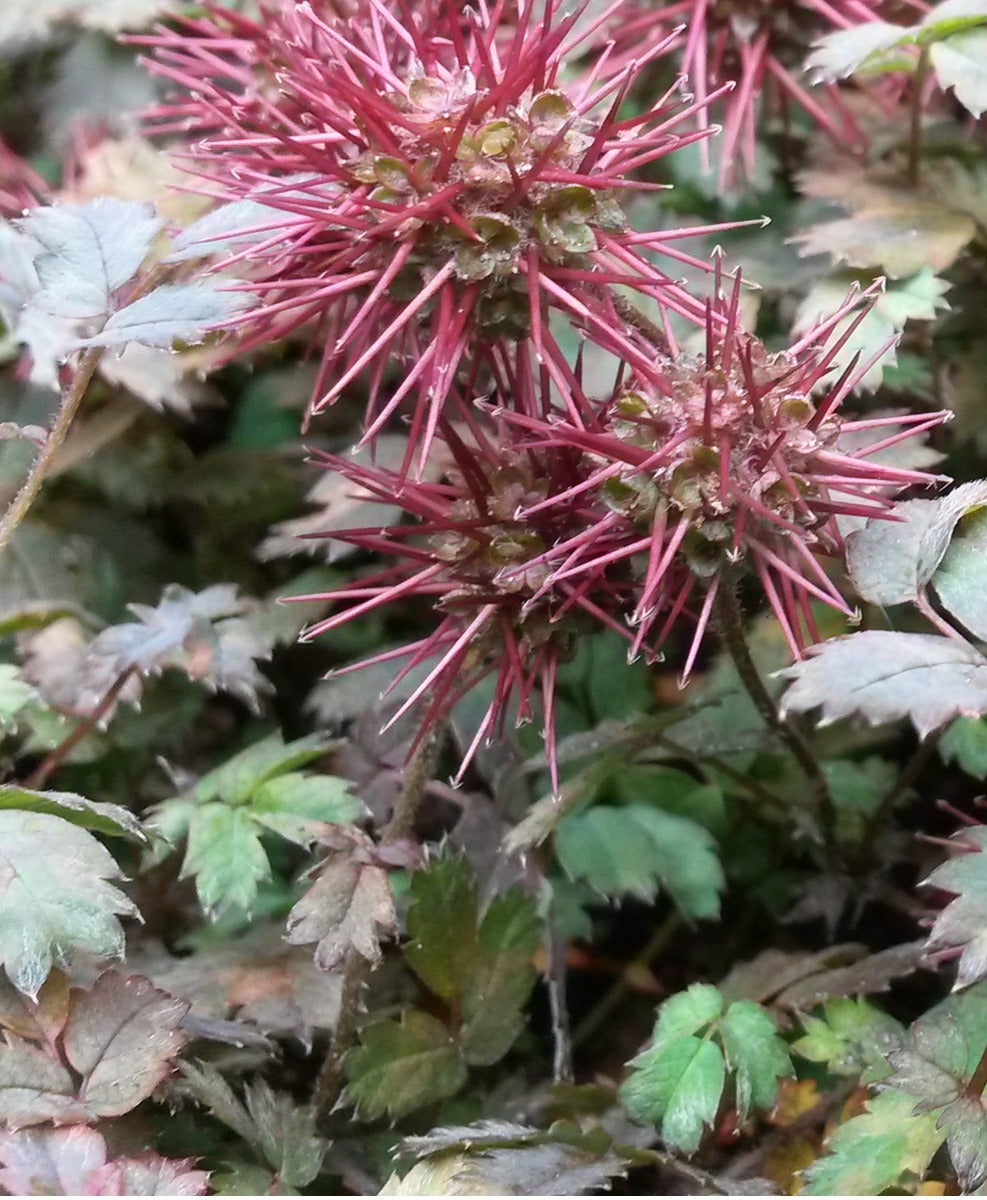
[(918, 297), (903, 234), (122, 1037), (172, 312), (286, 1134), (502, 1158), (501, 978), (349, 906), (237, 779), (963, 922), (196, 632), (884, 676), (402, 1065), (225, 857), (872, 1152), (847, 51), (961, 64), (935, 1067), (638, 848), (34, 1087), (756, 1053), (892, 561), (111, 819), (296, 805), (676, 1086), (74, 1161), (55, 897), (87, 252), (851, 1037), (41, 1019), (442, 920)]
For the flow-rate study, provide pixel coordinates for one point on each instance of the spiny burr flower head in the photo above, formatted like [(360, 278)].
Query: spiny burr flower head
[(760, 47), (733, 459), (428, 182), (484, 570)]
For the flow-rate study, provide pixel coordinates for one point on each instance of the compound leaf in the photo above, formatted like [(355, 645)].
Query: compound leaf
[(963, 922)]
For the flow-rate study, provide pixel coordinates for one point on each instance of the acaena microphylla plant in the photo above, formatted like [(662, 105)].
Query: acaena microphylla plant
[(758, 48), (482, 566), (725, 458), (437, 184)]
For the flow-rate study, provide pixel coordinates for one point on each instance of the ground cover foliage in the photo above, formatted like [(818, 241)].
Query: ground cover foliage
[(606, 385)]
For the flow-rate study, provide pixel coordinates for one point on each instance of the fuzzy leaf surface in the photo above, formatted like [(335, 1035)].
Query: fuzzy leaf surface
[(55, 897), (963, 922), (88, 251), (172, 312), (111, 819), (961, 64), (349, 905), (884, 676)]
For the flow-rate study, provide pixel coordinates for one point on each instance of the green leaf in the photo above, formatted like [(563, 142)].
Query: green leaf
[(238, 778), (961, 64), (892, 561), (295, 804), (14, 694), (442, 920), (637, 848), (756, 1053), (677, 1086), (918, 297), (225, 857), (963, 922), (855, 49), (903, 234), (852, 1037), (55, 897), (936, 1067), (951, 17), (402, 1065), (965, 743), (961, 580), (286, 1134), (501, 978), (885, 676), (876, 1150), (111, 819)]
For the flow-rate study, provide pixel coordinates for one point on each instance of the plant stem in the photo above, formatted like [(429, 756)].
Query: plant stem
[(39, 775), (731, 628), (909, 773), (643, 324), (978, 1080), (417, 774), (915, 130), (656, 943), (71, 399)]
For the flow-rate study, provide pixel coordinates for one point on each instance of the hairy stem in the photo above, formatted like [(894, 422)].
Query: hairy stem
[(39, 776), (417, 774), (915, 127), (731, 628), (71, 399), (638, 320)]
